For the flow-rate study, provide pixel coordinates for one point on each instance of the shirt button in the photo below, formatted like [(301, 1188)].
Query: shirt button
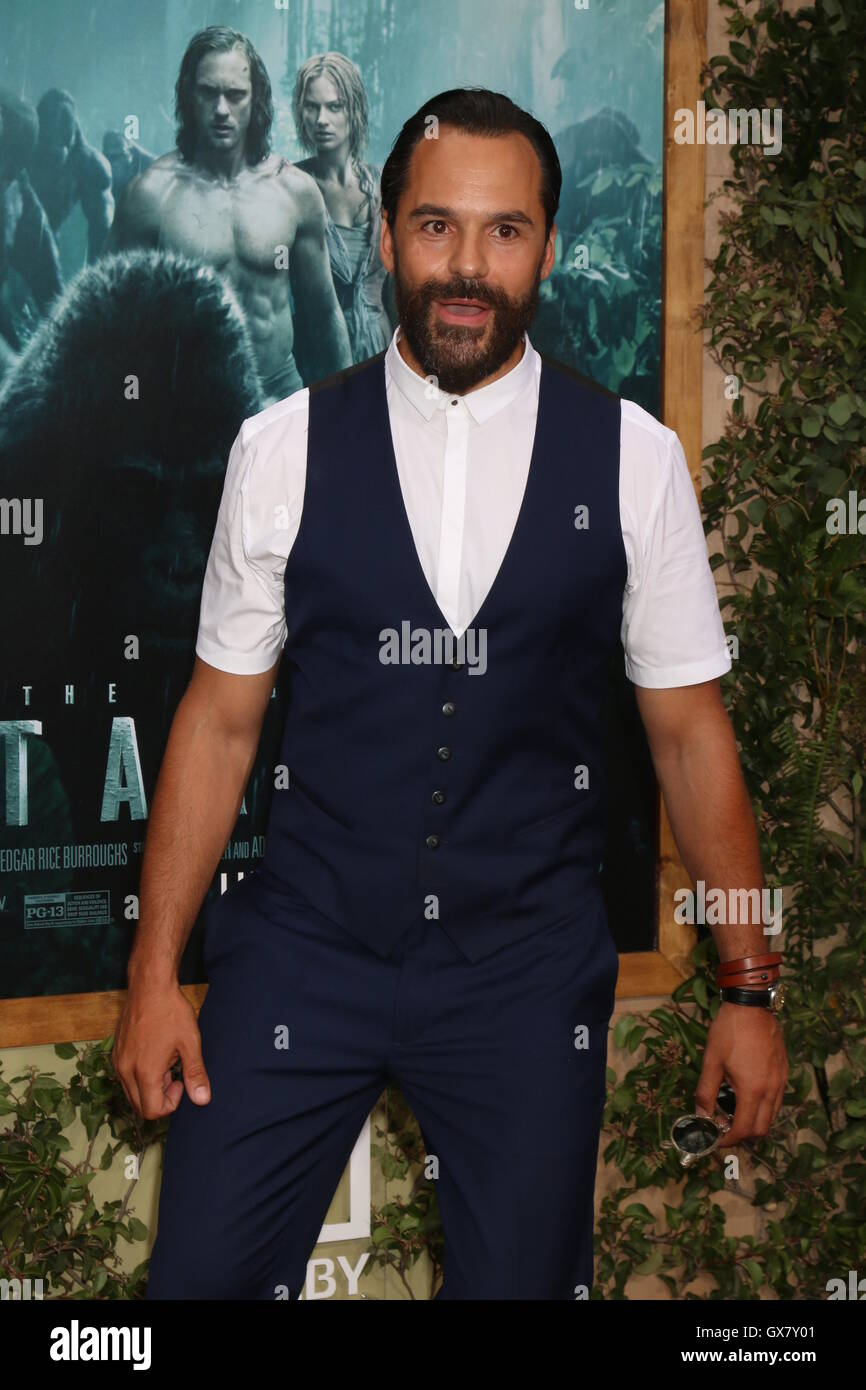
[(443, 754), (432, 842), (449, 707), (437, 798), (454, 400)]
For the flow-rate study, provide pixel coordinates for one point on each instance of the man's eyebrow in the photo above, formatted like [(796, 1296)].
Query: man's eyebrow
[(434, 210)]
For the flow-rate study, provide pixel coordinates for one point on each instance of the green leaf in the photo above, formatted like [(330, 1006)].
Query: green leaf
[(638, 1209), (65, 1112), (700, 991), (76, 1186), (755, 1271), (854, 1137), (623, 1099), (820, 250), (841, 410)]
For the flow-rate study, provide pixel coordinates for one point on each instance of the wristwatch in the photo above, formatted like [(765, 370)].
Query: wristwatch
[(772, 998)]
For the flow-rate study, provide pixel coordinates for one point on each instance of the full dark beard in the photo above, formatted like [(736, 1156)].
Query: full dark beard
[(454, 355)]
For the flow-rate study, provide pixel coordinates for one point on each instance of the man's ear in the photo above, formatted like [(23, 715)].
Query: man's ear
[(549, 253), (386, 244)]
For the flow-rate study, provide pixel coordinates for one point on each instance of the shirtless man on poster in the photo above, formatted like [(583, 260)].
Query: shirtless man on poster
[(224, 198)]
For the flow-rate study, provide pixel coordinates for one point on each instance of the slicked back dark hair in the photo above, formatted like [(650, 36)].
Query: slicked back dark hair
[(218, 38), (478, 111)]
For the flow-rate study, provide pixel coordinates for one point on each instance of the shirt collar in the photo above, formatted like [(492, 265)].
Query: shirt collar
[(481, 403)]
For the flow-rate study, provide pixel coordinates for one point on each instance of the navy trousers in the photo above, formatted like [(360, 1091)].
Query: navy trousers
[(502, 1062)]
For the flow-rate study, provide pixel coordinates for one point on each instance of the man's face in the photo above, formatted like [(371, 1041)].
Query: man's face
[(469, 225), (223, 100)]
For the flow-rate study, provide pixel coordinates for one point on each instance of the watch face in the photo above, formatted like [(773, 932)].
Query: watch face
[(778, 996)]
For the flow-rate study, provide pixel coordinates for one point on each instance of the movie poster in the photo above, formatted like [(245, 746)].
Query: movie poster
[(139, 327)]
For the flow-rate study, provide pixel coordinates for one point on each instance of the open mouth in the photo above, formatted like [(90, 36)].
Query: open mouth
[(472, 311)]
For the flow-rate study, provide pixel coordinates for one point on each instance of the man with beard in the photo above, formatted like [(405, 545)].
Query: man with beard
[(259, 220), (427, 908)]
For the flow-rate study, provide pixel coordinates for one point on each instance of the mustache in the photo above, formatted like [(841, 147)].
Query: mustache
[(432, 290)]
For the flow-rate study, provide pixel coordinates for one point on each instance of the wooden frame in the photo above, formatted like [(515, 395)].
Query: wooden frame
[(75, 1017)]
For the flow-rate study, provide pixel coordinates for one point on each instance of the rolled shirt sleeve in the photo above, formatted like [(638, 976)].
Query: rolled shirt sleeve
[(672, 630), (242, 622)]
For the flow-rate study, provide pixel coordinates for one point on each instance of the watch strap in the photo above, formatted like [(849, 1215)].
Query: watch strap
[(753, 998)]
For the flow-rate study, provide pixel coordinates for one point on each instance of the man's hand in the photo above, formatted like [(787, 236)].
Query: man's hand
[(157, 1026), (745, 1048)]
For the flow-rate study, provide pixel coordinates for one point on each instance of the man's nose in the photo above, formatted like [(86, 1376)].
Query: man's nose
[(468, 258)]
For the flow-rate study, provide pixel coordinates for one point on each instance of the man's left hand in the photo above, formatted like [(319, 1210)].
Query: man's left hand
[(745, 1048)]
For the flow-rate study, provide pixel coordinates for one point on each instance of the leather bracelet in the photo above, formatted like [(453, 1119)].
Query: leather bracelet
[(748, 963), (758, 972), (755, 977)]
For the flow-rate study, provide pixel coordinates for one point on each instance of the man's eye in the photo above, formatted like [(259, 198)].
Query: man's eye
[(508, 227), (436, 222)]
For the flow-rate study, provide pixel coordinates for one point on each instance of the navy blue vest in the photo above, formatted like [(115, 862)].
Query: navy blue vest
[(431, 787)]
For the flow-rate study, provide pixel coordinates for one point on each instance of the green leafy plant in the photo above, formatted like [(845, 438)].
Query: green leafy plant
[(785, 316), (406, 1227), (51, 1229)]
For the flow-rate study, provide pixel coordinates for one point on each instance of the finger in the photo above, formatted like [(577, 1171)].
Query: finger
[(132, 1092), (764, 1117), (712, 1075), (172, 1088), (195, 1078), (121, 1082), (744, 1116), (155, 1101)]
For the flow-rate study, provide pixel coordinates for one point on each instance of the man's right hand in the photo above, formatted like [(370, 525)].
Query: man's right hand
[(158, 1026), (200, 788)]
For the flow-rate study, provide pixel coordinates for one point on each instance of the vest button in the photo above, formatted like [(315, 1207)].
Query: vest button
[(432, 842), (449, 707), (443, 754), (437, 798)]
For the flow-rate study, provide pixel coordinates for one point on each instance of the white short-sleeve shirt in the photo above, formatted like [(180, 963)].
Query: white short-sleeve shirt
[(463, 462)]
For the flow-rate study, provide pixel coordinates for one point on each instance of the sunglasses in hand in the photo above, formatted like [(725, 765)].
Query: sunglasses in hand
[(695, 1135)]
